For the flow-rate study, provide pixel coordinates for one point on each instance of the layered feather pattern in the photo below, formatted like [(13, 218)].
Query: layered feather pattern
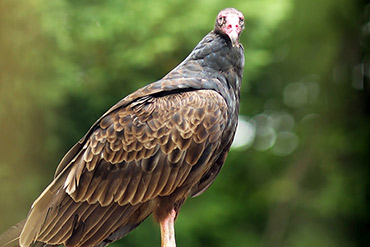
[(146, 154)]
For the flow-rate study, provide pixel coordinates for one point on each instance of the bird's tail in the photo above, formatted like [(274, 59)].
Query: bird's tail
[(10, 238)]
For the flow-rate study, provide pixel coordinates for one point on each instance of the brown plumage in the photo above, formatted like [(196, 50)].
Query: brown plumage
[(148, 153)]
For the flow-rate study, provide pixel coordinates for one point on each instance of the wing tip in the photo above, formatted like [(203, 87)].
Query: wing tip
[(10, 237)]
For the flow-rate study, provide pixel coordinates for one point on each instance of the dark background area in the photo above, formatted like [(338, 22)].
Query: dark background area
[(298, 174)]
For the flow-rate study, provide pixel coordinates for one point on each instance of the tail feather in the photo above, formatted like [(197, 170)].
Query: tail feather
[(10, 237), (38, 214)]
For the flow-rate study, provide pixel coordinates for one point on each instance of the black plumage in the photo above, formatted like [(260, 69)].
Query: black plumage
[(149, 152)]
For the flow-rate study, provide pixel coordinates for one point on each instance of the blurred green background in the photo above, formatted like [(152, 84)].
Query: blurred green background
[(298, 174)]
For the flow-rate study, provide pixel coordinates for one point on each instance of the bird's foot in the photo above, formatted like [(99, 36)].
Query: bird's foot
[(168, 230)]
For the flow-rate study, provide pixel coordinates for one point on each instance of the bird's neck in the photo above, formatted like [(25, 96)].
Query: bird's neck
[(214, 56), (214, 60)]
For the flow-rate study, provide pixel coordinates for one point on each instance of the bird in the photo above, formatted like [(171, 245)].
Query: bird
[(147, 154)]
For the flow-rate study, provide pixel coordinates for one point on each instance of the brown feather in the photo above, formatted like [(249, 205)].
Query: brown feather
[(164, 170), (128, 162), (121, 191), (194, 152), (10, 237), (153, 183), (147, 153), (149, 164), (141, 188)]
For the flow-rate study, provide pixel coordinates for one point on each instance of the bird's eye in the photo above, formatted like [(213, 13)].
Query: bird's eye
[(221, 20), (241, 21)]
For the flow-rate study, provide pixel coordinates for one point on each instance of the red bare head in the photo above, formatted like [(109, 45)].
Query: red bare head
[(230, 22)]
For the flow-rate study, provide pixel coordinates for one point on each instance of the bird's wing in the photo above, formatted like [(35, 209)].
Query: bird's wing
[(163, 86), (208, 178), (134, 153), (10, 237)]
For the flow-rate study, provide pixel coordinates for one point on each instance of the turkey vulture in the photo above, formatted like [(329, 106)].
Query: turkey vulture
[(147, 154)]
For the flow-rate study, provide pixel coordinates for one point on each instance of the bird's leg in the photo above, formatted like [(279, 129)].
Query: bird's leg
[(168, 230)]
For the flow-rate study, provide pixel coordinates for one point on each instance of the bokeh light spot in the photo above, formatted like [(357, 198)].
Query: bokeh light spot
[(286, 142), (245, 133)]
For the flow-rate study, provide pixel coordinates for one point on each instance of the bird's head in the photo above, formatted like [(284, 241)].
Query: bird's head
[(230, 22)]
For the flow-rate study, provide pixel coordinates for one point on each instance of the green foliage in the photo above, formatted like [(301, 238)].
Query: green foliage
[(301, 180)]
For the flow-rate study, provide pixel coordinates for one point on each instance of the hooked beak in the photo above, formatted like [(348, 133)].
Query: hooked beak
[(234, 37), (233, 29)]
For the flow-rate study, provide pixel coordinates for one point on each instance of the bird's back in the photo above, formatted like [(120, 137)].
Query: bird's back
[(147, 154)]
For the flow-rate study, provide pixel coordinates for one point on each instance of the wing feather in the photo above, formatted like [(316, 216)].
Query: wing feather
[(170, 183), (101, 216), (164, 170), (153, 184), (133, 154), (142, 188), (56, 213), (119, 197)]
